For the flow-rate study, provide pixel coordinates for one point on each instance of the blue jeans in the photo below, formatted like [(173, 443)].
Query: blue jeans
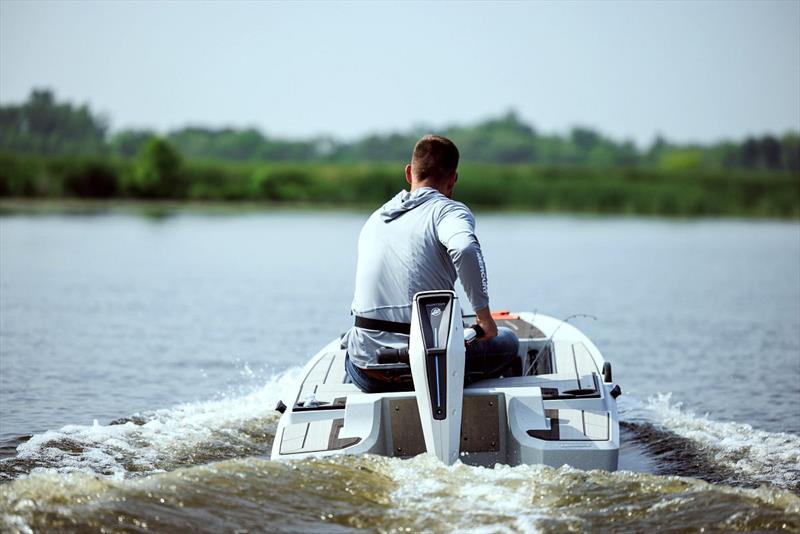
[(487, 358)]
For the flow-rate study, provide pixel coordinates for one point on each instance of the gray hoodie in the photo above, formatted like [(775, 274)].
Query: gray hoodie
[(415, 242)]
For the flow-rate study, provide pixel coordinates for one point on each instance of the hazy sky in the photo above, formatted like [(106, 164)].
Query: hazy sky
[(693, 71)]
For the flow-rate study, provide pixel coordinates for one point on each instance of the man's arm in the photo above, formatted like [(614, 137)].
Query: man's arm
[(456, 230), (486, 322)]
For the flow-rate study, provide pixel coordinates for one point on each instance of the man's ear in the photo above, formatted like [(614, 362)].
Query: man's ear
[(451, 184), (408, 174)]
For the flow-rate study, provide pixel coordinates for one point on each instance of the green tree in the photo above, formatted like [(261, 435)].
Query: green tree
[(44, 126), (791, 151), (681, 160), (157, 172), (770, 149), (749, 153), (128, 143)]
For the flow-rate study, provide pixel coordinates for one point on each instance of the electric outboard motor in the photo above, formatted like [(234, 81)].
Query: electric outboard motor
[(436, 355)]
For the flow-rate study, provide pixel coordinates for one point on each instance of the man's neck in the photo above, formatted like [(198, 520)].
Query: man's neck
[(420, 185)]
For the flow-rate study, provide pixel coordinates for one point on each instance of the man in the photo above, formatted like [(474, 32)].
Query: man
[(420, 240)]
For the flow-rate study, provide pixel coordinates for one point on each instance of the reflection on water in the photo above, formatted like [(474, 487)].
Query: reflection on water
[(115, 318)]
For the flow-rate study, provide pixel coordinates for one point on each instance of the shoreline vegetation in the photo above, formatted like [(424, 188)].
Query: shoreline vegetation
[(166, 209), (56, 153), (522, 187)]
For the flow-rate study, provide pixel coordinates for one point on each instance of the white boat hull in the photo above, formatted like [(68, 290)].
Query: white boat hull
[(561, 412)]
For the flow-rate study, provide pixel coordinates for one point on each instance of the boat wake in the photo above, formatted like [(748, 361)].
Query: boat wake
[(353, 493), (203, 465), (684, 443), (187, 434)]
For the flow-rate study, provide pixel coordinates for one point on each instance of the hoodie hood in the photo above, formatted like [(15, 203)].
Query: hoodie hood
[(405, 201)]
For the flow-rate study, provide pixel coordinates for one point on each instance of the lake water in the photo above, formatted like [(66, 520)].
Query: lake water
[(145, 356)]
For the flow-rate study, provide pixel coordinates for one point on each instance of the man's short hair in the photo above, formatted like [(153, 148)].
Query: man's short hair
[(435, 158)]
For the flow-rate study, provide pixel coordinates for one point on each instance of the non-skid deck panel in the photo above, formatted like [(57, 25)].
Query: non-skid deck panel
[(316, 436), (574, 425), (326, 380), (336, 374), (574, 358), (585, 388), (523, 329), (559, 385)]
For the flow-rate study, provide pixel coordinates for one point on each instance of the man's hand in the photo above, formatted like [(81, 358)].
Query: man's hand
[(485, 321)]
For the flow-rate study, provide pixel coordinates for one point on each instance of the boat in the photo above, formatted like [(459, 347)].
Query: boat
[(557, 408)]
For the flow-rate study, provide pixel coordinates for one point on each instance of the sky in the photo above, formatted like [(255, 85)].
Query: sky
[(691, 71)]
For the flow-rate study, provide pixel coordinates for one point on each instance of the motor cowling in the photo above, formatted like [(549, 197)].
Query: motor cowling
[(436, 355)]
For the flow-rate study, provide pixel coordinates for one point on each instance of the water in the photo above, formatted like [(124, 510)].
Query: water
[(145, 356)]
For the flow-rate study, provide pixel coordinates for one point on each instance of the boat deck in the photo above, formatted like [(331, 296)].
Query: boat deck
[(569, 372)]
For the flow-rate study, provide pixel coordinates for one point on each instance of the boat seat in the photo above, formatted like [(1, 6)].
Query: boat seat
[(389, 367)]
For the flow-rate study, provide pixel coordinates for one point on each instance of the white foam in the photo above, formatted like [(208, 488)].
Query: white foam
[(771, 457), (527, 498), (466, 498), (183, 431)]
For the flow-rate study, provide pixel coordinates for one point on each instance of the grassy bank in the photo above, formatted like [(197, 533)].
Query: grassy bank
[(501, 187)]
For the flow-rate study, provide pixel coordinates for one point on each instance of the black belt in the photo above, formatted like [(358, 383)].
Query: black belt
[(386, 326)]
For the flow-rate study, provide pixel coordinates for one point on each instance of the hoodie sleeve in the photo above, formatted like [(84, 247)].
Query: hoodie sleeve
[(455, 227)]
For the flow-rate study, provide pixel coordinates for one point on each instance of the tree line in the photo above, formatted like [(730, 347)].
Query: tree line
[(56, 150), (44, 126), (159, 172)]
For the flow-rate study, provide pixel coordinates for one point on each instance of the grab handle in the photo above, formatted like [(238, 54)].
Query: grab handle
[(473, 332)]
